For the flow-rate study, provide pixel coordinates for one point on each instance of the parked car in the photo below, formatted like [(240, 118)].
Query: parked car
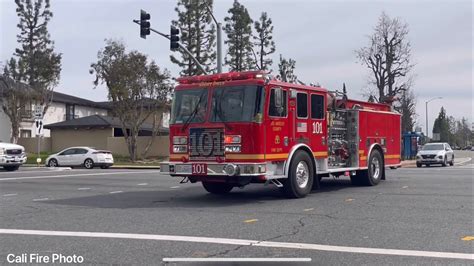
[(12, 156), (81, 156), (435, 153)]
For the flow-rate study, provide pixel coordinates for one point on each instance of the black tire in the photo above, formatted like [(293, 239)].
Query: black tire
[(217, 188), (418, 165), (299, 186), (445, 161), (11, 168), (53, 163), (89, 164), (452, 161), (373, 174)]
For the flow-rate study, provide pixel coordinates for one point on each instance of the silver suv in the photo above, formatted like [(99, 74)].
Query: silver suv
[(435, 153)]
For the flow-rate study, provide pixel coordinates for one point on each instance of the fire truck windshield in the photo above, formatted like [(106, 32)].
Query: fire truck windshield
[(229, 104), (189, 106), (237, 104)]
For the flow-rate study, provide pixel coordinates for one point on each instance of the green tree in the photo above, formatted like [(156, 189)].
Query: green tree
[(34, 63), (238, 28), (197, 35), (407, 107), (263, 40), (286, 70), (442, 126), (41, 66), (136, 87)]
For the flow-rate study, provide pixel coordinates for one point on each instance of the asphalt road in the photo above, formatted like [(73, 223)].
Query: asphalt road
[(417, 216)]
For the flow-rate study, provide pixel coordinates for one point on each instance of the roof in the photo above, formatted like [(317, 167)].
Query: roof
[(95, 121), (69, 99)]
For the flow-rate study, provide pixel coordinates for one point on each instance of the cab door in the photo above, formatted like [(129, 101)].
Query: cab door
[(277, 124), (318, 125), (302, 122)]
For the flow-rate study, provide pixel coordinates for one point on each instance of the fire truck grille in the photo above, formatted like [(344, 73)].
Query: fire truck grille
[(14, 152), (206, 143), (428, 156)]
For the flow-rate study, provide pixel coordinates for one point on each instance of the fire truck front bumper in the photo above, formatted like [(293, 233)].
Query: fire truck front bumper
[(215, 169)]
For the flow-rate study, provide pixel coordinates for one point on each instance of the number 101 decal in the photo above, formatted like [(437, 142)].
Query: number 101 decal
[(317, 128)]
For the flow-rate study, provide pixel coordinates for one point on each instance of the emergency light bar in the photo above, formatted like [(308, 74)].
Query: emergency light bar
[(223, 77)]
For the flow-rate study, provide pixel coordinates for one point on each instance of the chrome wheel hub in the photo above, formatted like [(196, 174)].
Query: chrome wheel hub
[(375, 167), (302, 174)]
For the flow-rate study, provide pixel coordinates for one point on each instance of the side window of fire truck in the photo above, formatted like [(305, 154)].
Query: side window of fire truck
[(275, 111), (302, 105), (317, 106)]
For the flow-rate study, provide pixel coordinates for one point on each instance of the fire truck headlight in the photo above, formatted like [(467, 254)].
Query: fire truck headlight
[(232, 139), (180, 140), (180, 148), (232, 148)]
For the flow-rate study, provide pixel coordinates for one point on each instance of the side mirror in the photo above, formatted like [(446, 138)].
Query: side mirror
[(278, 97)]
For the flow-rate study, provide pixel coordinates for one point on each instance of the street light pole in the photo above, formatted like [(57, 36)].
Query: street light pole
[(426, 105), (219, 40)]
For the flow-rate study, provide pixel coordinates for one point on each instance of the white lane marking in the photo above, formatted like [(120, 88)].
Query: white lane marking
[(9, 195), (41, 199), (75, 175), (142, 184), (245, 242), (115, 192), (465, 161), (175, 187), (84, 188), (236, 259)]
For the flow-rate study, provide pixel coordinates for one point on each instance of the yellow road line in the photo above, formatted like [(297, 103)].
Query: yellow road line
[(251, 221), (468, 238)]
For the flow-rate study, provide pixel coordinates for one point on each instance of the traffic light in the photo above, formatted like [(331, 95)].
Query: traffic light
[(144, 24), (174, 38)]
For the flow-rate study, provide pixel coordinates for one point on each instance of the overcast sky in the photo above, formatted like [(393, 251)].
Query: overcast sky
[(320, 35)]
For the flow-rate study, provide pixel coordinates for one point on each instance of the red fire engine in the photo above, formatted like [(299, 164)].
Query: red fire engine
[(231, 129)]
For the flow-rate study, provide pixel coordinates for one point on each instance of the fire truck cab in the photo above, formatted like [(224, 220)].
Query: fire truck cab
[(231, 129)]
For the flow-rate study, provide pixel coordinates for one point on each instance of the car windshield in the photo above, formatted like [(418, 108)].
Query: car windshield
[(237, 104), (433, 147), (189, 106)]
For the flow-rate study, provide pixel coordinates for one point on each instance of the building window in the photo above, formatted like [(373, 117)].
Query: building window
[(70, 111), (27, 111), (25, 133)]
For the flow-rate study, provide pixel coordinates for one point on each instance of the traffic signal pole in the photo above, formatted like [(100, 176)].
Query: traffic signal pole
[(180, 46)]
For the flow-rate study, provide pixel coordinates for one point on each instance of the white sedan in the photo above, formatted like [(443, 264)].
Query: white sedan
[(81, 156)]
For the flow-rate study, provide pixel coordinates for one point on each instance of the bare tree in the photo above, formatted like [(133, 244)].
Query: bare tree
[(406, 105), (137, 88), (388, 57)]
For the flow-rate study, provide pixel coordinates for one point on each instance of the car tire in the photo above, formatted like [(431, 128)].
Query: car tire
[(89, 164), (452, 161), (445, 162), (419, 165), (11, 168), (300, 177), (374, 172), (217, 188), (53, 163)]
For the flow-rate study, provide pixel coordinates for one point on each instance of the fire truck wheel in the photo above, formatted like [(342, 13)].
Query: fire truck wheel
[(217, 188), (373, 174), (375, 170), (301, 176)]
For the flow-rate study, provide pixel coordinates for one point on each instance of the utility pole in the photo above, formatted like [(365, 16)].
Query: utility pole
[(219, 40), (426, 106)]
